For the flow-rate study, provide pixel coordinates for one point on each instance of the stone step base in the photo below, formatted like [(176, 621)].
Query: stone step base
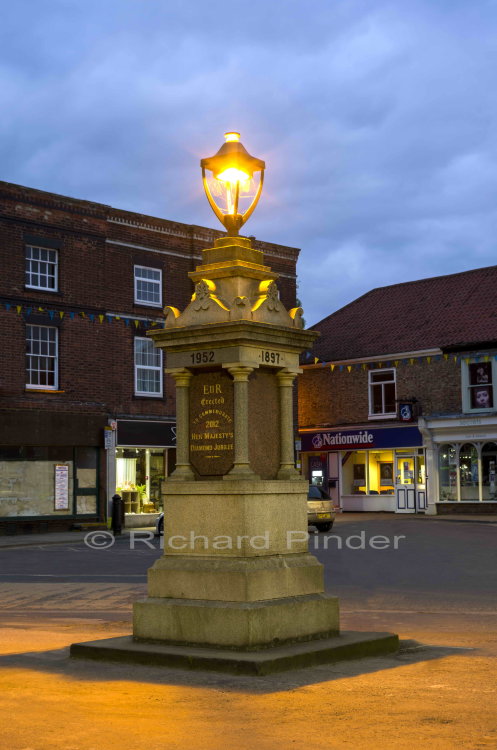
[(348, 645)]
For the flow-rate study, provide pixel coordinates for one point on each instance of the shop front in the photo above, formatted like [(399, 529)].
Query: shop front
[(45, 488), (144, 455), (51, 470), (368, 469), (463, 453)]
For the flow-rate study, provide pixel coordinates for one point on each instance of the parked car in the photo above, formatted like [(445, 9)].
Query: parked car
[(159, 525), (320, 511)]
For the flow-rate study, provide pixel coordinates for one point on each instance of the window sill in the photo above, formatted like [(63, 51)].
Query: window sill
[(382, 416), (156, 305), (42, 390), (148, 395), (42, 289)]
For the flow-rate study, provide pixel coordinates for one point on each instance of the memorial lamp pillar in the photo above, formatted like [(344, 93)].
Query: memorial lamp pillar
[(236, 582), (236, 573)]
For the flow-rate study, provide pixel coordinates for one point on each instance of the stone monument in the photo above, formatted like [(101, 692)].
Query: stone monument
[(236, 588)]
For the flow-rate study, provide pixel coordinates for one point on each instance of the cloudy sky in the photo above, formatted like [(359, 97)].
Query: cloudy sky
[(377, 121)]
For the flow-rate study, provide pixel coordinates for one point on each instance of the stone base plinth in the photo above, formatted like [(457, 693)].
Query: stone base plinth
[(244, 517), (347, 646), (241, 625), (235, 579)]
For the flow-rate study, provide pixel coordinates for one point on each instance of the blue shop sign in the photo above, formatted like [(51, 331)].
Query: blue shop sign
[(336, 440)]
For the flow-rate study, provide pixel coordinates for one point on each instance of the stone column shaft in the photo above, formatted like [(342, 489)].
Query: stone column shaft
[(287, 468), (241, 468), (183, 470)]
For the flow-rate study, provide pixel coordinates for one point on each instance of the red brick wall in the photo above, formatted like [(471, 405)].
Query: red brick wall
[(327, 398), (96, 371)]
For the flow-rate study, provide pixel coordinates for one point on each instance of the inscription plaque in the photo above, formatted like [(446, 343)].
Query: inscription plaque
[(211, 423)]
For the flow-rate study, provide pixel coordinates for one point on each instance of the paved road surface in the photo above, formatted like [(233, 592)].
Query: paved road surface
[(439, 587)]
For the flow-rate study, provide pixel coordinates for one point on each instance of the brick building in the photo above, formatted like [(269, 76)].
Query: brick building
[(397, 402), (84, 404)]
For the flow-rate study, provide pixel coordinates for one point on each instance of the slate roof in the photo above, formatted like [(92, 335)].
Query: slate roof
[(458, 311)]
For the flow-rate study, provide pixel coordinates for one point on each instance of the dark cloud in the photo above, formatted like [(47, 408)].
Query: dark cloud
[(377, 122)]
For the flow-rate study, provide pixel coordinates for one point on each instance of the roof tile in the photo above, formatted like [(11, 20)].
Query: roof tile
[(444, 311)]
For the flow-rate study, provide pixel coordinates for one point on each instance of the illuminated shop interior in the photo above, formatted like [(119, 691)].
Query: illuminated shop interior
[(379, 472), (367, 473), (371, 472), (139, 473)]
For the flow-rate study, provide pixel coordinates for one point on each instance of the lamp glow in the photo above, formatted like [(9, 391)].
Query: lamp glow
[(232, 182), (232, 174)]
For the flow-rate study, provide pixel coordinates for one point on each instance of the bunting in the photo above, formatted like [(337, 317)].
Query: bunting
[(89, 317), (411, 361)]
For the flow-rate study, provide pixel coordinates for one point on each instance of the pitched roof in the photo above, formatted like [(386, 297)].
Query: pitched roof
[(458, 310)]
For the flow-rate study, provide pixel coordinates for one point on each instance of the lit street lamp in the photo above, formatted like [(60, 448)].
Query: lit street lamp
[(232, 184)]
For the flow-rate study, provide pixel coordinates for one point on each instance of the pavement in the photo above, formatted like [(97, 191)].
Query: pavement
[(439, 697), (65, 537), (57, 537)]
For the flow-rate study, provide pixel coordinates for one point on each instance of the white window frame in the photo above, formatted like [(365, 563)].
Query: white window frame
[(158, 282), (55, 357), (55, 264), (387, 414), (148, 394), (465, 386)]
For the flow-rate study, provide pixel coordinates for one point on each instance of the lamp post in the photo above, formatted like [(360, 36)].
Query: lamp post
[(232, 182)]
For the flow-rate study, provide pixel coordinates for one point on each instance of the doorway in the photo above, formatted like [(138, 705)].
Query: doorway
[(410, 482)]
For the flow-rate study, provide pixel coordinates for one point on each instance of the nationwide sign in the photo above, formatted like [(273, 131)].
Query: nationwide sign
[(335, 440)]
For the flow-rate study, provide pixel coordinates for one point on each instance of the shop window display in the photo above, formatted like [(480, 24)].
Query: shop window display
[(489, 471), (476, 465), (447, 463), (27, 488), (48, 481), (369, 473), (468, 472), (359, 485), (385, 477), (139, 473)]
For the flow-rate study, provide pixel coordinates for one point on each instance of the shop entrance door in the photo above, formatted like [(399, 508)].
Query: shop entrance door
[(410, 484)]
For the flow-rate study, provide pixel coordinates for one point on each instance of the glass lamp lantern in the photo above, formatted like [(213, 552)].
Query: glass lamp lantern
[(235, 184)]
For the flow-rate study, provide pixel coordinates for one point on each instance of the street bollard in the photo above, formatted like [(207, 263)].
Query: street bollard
[(117, 514)]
